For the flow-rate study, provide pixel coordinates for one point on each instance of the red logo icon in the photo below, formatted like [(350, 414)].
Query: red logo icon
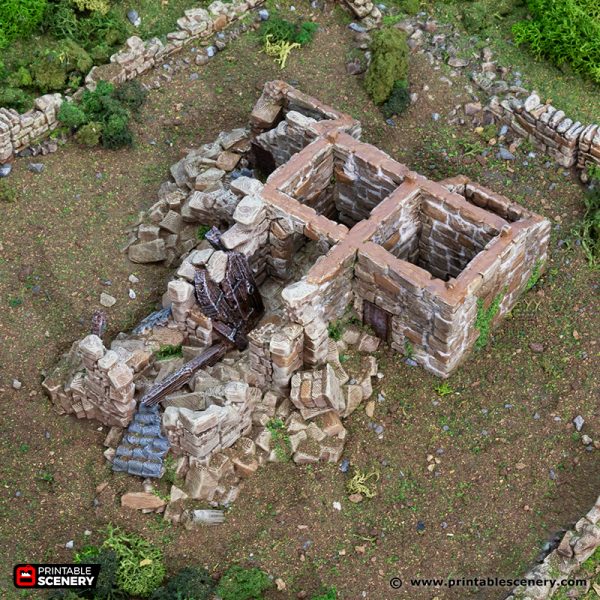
[(25, 576)]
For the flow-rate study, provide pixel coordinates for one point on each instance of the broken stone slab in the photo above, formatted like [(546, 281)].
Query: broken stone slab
[(148, 252), (246, 186), (92, 347), (142, 501), (114, 437), (250, 211), (227, 139), (206, 180), (227, 161), (368, 343)]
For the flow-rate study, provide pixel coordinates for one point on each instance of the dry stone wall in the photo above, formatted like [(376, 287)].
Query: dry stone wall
[(19, 131), (574, 549), (570, 143)]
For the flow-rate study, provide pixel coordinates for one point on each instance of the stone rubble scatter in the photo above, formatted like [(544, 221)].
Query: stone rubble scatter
[(337, 225)]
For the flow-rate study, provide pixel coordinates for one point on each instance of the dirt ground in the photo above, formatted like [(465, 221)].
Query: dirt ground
[(512, 470)]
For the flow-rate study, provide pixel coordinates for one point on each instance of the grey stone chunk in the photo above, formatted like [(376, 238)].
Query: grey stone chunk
[(148, 252)]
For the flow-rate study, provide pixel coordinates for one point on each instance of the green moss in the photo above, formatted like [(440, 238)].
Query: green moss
[(330, 594), (536, 273), (169, 351), (484, 319), (202, 231), (335, 329), (389, 63), (280, 440), (243, 584), (7, 192)]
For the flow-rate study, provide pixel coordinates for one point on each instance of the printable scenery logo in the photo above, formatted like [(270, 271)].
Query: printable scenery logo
[(56, 576)]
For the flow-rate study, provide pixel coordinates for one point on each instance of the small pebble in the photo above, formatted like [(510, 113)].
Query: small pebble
[(69, 545), (133, 279), (17, 385), (578, 421), (337, 506)]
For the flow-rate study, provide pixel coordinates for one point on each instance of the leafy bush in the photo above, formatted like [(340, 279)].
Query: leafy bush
[(131, 94), (107, 579), (398, 101), (19, 18), (480, 15), (410, 7), (99, 6), (116, 133), (189, 584), (565, 31), (281, 30), (14, 98), (20, 78), (71, 115), (141, 569), (51, 67), (389, 63), (60, 20), (89, 135), (243, 584)]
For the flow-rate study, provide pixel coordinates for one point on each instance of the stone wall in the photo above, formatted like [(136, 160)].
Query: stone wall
[(568, 142), (574, 549), (19, 131), (100, 382)]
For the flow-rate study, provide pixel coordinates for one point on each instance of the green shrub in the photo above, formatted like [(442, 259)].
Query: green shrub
[(52, 66), (97, 104), (141, 569), (398, 101), (565, 31), (15, 98), (89, 135), (61, 21), (116, 133), (19, 18), (389, 63), (20, 78), (131, 94), (189, 584), (243, 584), (71, 115), (107, 579), (410, 7), (7, 192), (99, 6), (282, 30)]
